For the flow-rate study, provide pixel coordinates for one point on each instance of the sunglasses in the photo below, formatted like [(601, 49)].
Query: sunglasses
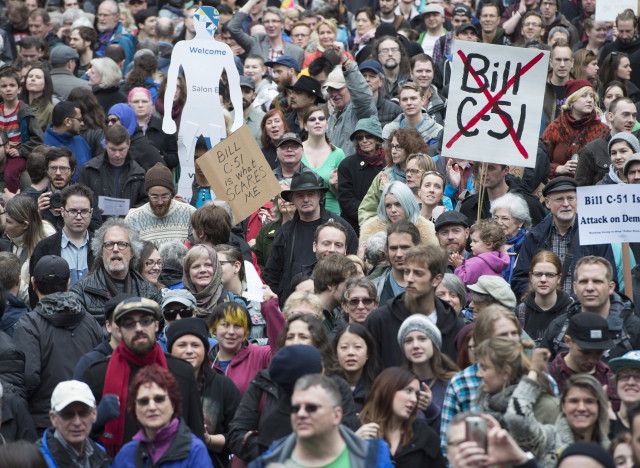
[(172, 314), (158, 399), (321, 118), (309, 409), (367, 301), (112, 120)]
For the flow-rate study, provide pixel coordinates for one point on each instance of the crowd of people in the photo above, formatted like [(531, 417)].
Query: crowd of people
[(388, 307)]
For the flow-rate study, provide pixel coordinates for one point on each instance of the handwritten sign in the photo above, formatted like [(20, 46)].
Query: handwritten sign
[(494, 113), (238, 173), (609, 213), (607, 11)]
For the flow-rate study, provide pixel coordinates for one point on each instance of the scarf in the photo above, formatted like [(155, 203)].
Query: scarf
[(111, 285), (208, 297), (397, 174), (568, 119), (176, 109), (365, 38), (161, 442), (116, 382), (515, 242), (375, 159)]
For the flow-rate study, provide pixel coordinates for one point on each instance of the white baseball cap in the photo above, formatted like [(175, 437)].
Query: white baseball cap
[(70, 391)]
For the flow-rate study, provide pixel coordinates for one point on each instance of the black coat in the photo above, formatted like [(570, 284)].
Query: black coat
[(355, 178), (55, 335), (16, 421), (109, 97), (12, 365), (93, 293), (166, 144), (384, 324), (143, 152), (183, 372), (423, 449)]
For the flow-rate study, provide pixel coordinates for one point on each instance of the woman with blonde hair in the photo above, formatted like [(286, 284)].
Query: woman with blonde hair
[(304, 303), (327, 33), (105, 77), (578, 124)]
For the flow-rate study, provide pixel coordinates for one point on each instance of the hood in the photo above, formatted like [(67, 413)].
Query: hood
[(127, 116), (619, 309), (436, 102), (562, 303), (64, 138), (61, 309), (497, 261)]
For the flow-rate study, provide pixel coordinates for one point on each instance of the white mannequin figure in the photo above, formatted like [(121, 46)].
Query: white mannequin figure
[(202, 60)]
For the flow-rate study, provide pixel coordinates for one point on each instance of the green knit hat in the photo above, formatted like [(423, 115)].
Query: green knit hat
[(369, 125)]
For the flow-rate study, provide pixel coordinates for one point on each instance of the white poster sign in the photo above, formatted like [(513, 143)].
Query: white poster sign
[(609, 213), (607, 11), (113, 206), (202, 59), (495, 103)]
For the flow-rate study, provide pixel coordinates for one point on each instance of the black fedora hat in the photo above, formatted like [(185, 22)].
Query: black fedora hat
[(304, 181), (309, 85)]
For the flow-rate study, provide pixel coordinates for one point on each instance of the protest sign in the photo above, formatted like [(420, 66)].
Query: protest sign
[(494, 113), (607, 11), (608, 214), (238, 173)]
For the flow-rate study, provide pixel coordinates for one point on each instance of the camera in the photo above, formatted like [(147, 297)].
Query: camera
[(55, 200)]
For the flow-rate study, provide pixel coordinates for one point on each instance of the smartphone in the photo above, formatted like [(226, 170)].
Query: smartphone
[(477, 431)]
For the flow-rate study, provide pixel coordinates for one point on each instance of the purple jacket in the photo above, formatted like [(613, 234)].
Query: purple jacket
[(488, 263)]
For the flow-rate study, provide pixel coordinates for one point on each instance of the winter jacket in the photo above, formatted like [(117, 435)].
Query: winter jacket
[(30, 131), (355, 176), (97, 174), (143, 152), (93, 293), (163, 142), (469, 206), (54, 336), (534, 320), (594, 161), (57, 456), (265, 408), (16, 421), (488, 263), (258, 44), (75, 143), (421, 450), (12, 366), (374, 225), (64, 82), (264, 241), (388, 110), (277, 272), (383, 287), (384, 324), (109, 97), (362, 105), (632, 49), (624, 327), (94, 137), (362, 453), (14, 308), (182, 371), (185, 451), (539, 238), (428, 128), (98, 353), (437, 107)]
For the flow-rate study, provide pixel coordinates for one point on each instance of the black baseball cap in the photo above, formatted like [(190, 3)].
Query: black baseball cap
[(51, 268), (590, 331)]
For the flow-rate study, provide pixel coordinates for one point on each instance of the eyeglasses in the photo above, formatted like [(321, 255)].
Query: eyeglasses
[(366, 301), (79, 119), (74, 213), (293, 147), (321, 118), (504, 219), (309, 408), (414, 171), (627, 377), (390, 50), (155, 198), (171, 314), (62, 169), (570, 199), (130, 324), (113, 120), (395, 147), (68, 415), (540, 274), (158, 400), (363, 136), (150, 263), (110, 245)]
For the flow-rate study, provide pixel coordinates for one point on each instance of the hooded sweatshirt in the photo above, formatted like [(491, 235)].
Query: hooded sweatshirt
[(488, 263), (537, 320), (75, 143)]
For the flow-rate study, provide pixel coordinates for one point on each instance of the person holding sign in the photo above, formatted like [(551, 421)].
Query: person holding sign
[(578, 124)]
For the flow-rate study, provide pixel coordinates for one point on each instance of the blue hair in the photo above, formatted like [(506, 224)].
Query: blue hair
[(406, 198)]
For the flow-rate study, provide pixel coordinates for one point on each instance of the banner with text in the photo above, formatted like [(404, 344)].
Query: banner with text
[(238, 173), (495, 103), (607, 11), (609, 213)]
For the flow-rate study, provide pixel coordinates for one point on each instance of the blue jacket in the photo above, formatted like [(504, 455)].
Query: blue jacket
[(75, 143), (539, 238), (14, 309), (56, 456), (362, 453)]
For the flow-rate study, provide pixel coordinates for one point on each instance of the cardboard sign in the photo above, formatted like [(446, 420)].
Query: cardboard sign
[(238, 173), (607, 11), (494, 113), (608, 214)]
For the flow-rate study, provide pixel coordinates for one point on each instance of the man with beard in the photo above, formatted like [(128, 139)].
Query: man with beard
[(424, 267), (61, 165), (452, 230), (162, 219), (558, 233), (285, 71), (63, 64), (116, 248), (628, 42), (82, 39), (392, 55), (111, 31), (302, 96), (252, 116), (329, 276), (136, 319), (64, 132), (387, 14)]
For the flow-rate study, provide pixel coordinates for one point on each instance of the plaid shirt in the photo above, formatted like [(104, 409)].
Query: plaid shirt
[(560, 246)]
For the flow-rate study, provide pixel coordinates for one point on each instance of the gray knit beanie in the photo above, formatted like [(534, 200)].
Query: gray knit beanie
[(419, 322), (630, 138)]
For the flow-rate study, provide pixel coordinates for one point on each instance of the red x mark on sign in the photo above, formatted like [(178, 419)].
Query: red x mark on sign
[(491, 100)]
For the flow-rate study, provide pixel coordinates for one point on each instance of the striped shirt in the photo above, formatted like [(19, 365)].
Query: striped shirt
[(9, 123)]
